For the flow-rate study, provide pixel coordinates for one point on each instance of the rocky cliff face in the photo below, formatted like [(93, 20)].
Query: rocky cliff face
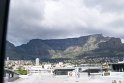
[(35, 48), (112, 43), (68, 48)]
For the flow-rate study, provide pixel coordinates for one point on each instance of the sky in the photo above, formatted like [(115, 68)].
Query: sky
[(59, 19)]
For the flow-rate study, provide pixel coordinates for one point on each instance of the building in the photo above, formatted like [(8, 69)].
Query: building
[(62, 71), (10, 75), (37, 61), (117, 67), (39, 70)]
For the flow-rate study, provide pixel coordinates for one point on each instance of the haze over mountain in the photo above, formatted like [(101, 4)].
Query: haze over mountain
[(74, 48)]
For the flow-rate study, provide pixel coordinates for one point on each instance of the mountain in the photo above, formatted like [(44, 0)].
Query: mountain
[(74, 48), (11, 51)]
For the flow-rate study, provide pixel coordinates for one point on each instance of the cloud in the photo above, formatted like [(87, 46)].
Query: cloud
[(55, 19), (106, 5)]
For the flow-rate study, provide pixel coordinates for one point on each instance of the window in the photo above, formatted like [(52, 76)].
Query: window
[(50, 38)]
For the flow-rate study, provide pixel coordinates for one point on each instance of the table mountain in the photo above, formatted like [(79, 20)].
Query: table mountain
[(85, 46)]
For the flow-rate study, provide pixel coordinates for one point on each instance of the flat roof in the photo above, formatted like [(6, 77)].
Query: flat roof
[(66, 79), (115, 63), (64, 68)]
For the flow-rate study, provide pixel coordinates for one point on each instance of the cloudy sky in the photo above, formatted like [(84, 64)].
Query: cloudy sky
[(56, 19)]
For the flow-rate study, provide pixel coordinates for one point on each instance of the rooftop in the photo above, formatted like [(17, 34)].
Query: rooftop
[(66, 79)]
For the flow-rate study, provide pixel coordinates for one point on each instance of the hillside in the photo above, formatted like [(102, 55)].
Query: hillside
[(74, 48)]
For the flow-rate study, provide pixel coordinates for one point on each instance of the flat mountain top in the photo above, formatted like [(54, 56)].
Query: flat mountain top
[(74, 48)]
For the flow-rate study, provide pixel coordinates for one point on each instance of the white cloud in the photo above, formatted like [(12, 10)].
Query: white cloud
[(73, 13), (46, 19), (122, 40)]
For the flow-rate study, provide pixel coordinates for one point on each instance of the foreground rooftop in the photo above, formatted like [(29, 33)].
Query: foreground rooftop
[(48, 78)]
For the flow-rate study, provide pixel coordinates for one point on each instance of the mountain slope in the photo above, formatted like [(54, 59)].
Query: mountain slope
[(85, 46)]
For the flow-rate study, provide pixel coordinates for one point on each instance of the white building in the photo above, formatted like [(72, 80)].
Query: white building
[(39, 70), (37, 61), (47, 66)]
